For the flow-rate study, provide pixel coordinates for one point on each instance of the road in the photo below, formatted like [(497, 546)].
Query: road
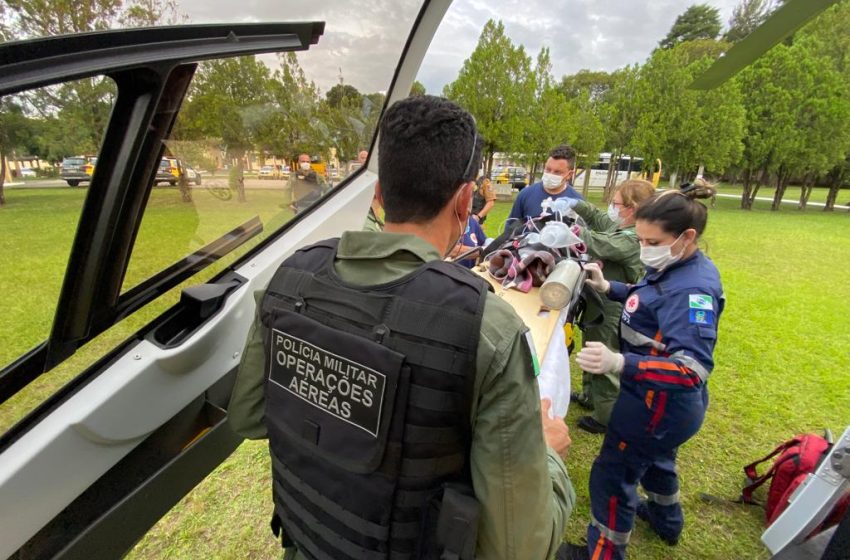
[(218, 181)]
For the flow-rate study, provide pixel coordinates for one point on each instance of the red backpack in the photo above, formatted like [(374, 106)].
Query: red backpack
[(798, 457)]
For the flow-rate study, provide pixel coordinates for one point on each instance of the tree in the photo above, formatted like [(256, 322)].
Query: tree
[(417, 89), (747, 16), (595, 85), (619, 114), (549, 121), (38, 18), (342, 93), (797, 112), (699, 21), (495, 84), (684, 127), (229, 99), (81, 108), (15, 131), (828, 36)]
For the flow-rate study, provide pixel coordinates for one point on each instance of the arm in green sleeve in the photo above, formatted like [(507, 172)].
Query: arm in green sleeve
[(247, 402), (618, 246), (596, 219), (524, 490)]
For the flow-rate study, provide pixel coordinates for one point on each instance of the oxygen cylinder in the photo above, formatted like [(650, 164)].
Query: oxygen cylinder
[(557, 290)]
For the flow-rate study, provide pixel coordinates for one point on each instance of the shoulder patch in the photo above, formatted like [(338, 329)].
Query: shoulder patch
[(700, 301), (533, 351), (700, 317)]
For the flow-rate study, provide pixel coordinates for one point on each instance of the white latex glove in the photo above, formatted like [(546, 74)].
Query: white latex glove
[(597, 358), (595, 279)]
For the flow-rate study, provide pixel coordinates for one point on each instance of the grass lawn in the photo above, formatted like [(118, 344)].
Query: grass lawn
[(782, 359)]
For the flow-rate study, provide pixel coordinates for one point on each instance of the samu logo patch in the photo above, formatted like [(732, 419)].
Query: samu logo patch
[(632, 303)]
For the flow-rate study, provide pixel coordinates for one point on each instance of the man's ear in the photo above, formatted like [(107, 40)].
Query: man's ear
[(464, 199), (690, 235), (378, 194)]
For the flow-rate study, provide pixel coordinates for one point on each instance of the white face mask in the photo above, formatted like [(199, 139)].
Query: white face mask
[(304, 165), (614, 214), (660, 256), (551, 181)]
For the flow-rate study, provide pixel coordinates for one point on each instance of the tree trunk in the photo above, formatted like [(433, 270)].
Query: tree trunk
[(745, 194), (806, 191), (781, 183), (586, 185), (183, 183), (836, 178), (240, 182), (613, 172), (763, 177), (2, 178), (673, 177), (700, 171)]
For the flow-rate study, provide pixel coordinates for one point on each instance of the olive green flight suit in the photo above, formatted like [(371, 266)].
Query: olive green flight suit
[(619, 251)]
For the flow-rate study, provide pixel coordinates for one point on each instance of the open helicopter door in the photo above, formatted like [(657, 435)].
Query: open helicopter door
[(812, 502)]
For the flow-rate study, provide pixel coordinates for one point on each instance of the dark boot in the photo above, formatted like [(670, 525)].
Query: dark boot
[(570, 551), (588, 424), (581, 399), (643, 513)]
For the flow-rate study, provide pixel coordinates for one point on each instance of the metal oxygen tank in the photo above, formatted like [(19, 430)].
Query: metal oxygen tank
[(558, 289)]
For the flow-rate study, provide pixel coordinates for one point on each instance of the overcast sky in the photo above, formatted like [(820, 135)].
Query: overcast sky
[(363, 39)]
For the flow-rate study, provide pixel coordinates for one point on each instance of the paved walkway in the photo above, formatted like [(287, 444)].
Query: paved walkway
[(785, 201)]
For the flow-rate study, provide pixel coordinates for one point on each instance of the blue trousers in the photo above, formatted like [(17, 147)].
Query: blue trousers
[(646, 429)]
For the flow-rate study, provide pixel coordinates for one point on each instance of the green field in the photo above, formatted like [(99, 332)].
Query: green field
[(782, 359)]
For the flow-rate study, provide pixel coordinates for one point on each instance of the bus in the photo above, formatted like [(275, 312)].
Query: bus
[(628, 167)]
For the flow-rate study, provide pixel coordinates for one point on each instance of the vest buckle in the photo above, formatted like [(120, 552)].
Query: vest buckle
[(380, 332), (300, 304)]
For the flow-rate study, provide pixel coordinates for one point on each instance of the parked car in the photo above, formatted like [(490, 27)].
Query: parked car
[(192, 175), (517, 177), (270, 172), (77, 169), (168, 172), (27, 173)]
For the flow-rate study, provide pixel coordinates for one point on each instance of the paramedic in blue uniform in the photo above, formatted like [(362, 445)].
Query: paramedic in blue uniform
[(668, 331)]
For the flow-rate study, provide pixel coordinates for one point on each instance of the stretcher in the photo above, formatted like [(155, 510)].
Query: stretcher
[(551, 333)]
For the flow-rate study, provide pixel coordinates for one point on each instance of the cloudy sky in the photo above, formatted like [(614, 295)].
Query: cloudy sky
[(363, 39)]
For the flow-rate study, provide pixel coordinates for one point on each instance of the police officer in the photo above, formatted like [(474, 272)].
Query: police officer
[(394, 387), (305, 185), (668, 332), (611, 240), (484, 198)]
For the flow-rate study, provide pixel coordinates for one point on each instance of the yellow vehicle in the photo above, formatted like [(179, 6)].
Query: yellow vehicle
[(77, 169)]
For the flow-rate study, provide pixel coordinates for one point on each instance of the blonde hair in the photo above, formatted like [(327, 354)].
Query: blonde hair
[(635, 191)]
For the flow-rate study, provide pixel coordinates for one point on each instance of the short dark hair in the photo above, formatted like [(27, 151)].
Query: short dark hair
[(564, 151), (676, 210), (425, 153)]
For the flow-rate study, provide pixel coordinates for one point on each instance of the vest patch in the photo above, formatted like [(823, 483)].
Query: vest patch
[(350, 391)]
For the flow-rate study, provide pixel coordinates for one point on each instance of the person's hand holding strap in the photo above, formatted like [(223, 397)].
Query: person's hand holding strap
[(595, 279), (595, 357)]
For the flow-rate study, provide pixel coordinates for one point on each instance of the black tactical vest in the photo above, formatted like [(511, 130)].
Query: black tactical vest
[(367, 403)]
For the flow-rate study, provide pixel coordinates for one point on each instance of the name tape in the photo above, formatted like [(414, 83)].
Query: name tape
[(336, 385)]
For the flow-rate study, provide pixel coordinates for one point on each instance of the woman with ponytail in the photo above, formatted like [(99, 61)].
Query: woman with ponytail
[(668, 331)]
